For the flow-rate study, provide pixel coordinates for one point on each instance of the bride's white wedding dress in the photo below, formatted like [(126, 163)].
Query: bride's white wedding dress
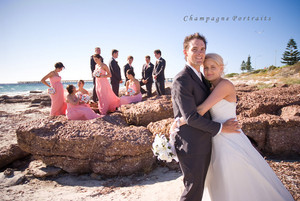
[(237, 172)]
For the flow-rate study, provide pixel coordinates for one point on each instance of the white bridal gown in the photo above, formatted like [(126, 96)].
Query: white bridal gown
[(237, 172)]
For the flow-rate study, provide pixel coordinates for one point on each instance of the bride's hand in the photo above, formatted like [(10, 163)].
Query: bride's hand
[(173, 127)]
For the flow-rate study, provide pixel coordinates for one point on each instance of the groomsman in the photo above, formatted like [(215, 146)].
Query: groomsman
[(159, 73), (114, 68), (128, 66), (93, 64), (147, 77)]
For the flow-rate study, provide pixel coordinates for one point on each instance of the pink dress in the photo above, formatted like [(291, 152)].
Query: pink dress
[(58, 104), (108, 101), (131, 99), (80, 112)]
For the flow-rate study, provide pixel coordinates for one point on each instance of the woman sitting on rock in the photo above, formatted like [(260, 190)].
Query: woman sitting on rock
[(133, 93), (80, 89), (77, 110)]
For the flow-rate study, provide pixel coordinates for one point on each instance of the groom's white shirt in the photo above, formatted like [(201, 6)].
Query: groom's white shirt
[(199, 75)]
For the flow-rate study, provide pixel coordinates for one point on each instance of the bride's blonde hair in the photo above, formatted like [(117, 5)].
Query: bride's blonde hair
[(216, 58)]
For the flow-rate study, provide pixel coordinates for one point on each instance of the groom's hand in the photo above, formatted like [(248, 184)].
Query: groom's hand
[(231, 126)]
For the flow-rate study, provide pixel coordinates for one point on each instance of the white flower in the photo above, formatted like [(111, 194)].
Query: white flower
[(163, 149)]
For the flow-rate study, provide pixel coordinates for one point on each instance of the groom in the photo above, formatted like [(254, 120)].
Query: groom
[(193, 142)]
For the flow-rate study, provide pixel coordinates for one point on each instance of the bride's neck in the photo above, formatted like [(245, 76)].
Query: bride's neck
[(216, 81)]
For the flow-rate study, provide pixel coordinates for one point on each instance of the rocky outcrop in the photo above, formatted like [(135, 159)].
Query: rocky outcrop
[(104, 146), (271, 118), (162, 126), (11, 153), (267, 101), (150, 110), (36, 99)]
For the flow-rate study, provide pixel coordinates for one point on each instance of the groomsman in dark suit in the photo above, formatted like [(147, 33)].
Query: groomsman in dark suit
[(114, 68), (147, 77), (159, 73), (128, 66), (93, 64)]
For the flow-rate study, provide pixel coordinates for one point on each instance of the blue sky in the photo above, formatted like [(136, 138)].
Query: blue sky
[(35, 34)]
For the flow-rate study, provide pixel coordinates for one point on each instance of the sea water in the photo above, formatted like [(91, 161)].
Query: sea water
[(25, 88)]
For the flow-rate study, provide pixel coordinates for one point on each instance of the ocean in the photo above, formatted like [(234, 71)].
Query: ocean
[(25, 88)]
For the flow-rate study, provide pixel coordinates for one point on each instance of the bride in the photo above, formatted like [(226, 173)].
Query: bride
[(237, 172)]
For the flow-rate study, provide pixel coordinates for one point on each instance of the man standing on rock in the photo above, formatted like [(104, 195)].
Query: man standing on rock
[(159, 73), (114, 68)]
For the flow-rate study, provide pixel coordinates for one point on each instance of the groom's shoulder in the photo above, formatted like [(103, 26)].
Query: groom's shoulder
[(182, 75)]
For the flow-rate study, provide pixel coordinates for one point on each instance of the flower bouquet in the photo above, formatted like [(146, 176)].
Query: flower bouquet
[(163, 149), (83, 97), (97, 73), (131, 92), (51, 91)]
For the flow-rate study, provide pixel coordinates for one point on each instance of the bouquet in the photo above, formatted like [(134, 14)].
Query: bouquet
[(97, 73), (131, 92), (51, 91), (163, 149), (83, 97)]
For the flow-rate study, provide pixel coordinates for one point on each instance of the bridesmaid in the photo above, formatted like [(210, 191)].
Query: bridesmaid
[(77, 110), (80, 89), (133, 93), (58, 104), (108, 101)]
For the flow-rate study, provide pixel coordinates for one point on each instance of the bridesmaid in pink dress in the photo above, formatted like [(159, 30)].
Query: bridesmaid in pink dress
[(58, 104), (76, 109), (108, 101), (133, 93)]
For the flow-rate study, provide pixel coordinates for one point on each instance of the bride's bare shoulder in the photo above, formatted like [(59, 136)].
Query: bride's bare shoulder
[(226, 83)]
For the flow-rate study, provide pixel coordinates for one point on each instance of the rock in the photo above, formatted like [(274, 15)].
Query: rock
[(14, 178), (273, 135), (290, 112), (267, 101), (162, 126), (10, 154), (270, 117), (151, 110), (103, 146), (40, 170), (36, 92)]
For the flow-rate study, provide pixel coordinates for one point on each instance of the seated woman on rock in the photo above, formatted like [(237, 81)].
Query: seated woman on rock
[(133, 93), (77, 110), (80, 89)]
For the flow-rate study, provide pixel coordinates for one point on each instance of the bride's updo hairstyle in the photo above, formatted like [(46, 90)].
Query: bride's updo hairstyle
[(216, 58)]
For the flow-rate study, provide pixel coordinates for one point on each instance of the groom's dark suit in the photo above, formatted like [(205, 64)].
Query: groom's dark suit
[(193, 141)]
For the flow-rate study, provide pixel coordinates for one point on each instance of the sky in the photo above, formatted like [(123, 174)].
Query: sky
[(35, 34)]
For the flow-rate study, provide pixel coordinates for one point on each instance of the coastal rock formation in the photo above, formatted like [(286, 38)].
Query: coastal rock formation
[(150, 110), (35, 99), (11, 153), (162, 126), (267, 101), (104, 146), (271, 118)]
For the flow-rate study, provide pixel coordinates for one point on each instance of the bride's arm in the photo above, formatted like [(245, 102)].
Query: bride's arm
[(224, 89)]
